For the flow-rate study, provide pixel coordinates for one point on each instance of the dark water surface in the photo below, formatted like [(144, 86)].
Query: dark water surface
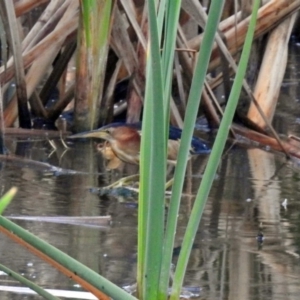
[(226, 260)]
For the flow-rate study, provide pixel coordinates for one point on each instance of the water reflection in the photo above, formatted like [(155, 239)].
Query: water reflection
[(226, 262)]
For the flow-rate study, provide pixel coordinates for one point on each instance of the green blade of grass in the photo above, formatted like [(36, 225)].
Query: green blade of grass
[(87, 7), (214, 159), (152, 165), (161, 17), (171, 25), (6, 199), (143, 188), (68, 262), (168, 53), (189, 122), (28, 283)]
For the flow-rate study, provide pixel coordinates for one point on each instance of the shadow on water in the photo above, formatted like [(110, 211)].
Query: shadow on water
[(248, 243)]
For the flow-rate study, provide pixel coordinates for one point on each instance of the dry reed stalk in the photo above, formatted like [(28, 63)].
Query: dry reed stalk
[(199, 15), (228, 10), (269, 16), (60, 105), (271, 73), (180, 85), (246, 8), (24, 6), (134, 99), (190, 7), (134, 61), (58, 70), (246, 86), (124, 49), (36, 104), (229, 58), (45, 23), (134, 105), (42, 25), (131, 13), (58, 34), (49, 47), (209, 109), (186, 60), (224, 26), (265, 140), (108, 100), (91, 61), (196, 10), (34, 132), (15, 43), (175, 117)]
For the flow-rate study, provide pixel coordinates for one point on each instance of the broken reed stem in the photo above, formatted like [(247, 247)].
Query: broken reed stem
[(24, 6), (271, 73)]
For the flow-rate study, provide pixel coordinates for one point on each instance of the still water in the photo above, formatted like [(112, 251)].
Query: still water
[(254, 191)]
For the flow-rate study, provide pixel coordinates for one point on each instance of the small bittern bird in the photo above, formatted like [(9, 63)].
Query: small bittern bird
[(125, 140)]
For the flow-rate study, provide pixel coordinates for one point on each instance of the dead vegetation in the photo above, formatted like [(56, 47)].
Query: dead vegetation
[(42, 45)]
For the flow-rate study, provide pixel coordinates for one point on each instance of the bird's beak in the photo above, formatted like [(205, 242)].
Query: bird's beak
[(99, 134)]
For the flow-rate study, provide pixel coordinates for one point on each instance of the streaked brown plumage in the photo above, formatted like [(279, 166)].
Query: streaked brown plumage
[(124, 141)]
